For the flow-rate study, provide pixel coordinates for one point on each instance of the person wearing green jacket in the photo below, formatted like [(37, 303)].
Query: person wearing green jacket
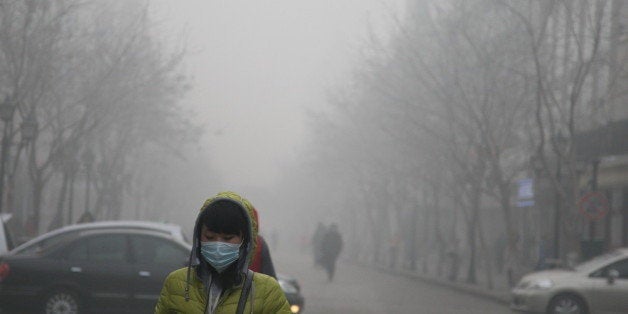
[(217, 279)]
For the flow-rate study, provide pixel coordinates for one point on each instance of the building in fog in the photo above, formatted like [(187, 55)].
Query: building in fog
[(604, 150), (599, 215), (604, 153)]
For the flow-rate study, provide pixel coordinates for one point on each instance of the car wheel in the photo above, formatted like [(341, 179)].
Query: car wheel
[(61, 302), (566, 303)]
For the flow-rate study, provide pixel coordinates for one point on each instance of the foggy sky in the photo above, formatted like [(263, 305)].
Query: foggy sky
[(257, 66)]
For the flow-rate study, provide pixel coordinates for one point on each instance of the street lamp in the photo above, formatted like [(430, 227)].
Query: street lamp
[(7, 108)]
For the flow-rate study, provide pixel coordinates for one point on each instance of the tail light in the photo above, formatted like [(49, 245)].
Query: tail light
[(4, 271)]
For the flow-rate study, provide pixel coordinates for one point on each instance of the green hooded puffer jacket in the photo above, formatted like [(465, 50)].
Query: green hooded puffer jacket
[(267, 296)]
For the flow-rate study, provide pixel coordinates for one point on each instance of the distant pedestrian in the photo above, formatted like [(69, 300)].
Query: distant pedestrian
[(330, 249)]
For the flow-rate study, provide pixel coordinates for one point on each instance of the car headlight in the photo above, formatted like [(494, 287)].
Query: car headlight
[(542, 284), (287, 287), (295, 308)]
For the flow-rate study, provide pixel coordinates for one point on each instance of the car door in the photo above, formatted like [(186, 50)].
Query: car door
[(610, 297), (100, 265), (6, 243), (154, 258)]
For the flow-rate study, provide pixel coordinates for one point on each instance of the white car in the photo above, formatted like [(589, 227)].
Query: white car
[(61, 234), (593, 287), (6, 242)]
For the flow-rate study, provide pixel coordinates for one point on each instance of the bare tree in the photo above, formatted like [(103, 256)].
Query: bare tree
[(93, 79), (569, 46)]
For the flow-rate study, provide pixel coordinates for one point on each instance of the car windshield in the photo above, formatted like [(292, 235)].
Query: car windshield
[(46, 243), (61, 235), (6, 241), (596, 262)]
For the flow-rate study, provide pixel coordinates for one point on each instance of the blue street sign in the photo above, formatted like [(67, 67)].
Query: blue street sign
[(525, 193)]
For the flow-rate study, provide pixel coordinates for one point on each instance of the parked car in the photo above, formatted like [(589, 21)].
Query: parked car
[(6, 241), (596, 286), (78, 269), (60, 234), (292, 290)]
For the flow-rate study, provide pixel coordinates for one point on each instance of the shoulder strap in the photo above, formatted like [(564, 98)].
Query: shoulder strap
[(246, 288)]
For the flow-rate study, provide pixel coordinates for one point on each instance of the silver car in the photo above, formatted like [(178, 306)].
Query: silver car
[(597, 286), (59, 235)]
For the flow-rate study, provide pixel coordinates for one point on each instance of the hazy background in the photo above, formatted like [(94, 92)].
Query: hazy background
[(257, 69), (414, 125)]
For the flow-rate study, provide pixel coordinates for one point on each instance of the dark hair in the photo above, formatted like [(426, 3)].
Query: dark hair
[(224, 216)]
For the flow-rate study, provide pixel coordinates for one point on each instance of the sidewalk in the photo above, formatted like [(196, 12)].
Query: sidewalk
[(500, 293)]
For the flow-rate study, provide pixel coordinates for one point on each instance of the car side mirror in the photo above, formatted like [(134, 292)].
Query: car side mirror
[(613, 274)]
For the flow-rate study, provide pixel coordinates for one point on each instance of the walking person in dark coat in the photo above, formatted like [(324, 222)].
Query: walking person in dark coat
[(331, 245)]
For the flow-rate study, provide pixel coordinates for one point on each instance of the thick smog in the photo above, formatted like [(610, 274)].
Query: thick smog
[(333, 156)]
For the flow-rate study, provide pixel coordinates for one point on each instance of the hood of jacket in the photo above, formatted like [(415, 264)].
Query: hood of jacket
[(248, 240)]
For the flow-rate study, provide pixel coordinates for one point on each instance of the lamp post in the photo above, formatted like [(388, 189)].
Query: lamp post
[(7, 108)]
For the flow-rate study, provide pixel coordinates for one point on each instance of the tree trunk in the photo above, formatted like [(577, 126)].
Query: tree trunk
[(57, 220), (71, 199), (38, 191), (472, 232), (488, 263)]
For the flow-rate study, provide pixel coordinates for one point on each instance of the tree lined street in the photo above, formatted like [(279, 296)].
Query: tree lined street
[(474, 141)]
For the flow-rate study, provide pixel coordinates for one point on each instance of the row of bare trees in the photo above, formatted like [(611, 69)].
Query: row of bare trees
[(443, 118), (91, 98)]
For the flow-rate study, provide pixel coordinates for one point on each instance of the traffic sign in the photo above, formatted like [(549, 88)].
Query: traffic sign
[(593, 205), (525, 193)]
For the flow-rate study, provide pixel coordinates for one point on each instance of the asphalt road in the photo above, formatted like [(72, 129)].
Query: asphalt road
[(359, 289)]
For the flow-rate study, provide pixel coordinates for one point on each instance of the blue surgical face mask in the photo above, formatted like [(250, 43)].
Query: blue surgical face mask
[(220, 254)]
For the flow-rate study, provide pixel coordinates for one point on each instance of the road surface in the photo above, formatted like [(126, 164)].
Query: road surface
[(359, 289)]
